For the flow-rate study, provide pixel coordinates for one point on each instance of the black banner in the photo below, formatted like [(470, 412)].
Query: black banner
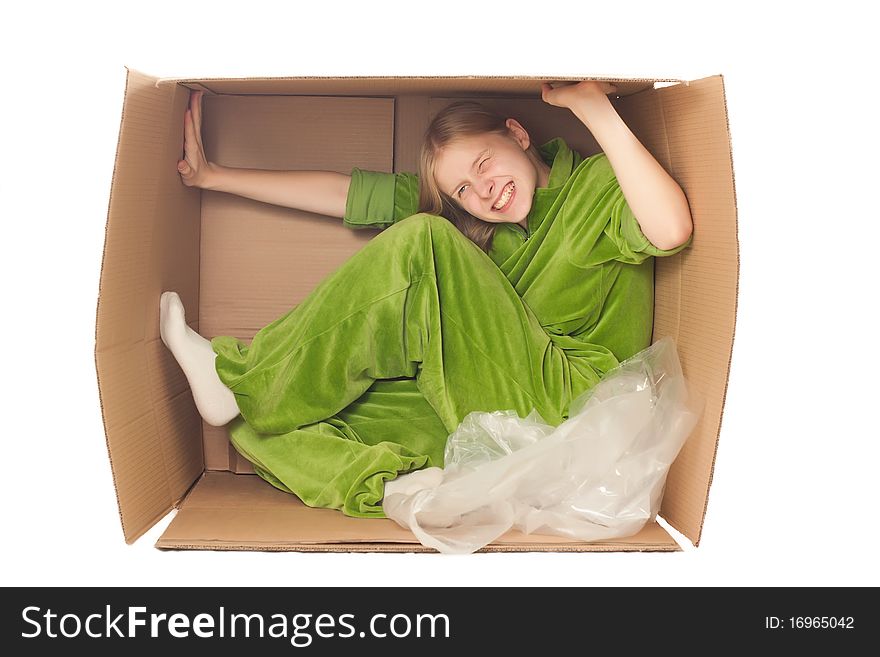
[(403, 620)]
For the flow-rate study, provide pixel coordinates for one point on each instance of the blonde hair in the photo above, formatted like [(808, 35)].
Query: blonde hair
[(460, 119)]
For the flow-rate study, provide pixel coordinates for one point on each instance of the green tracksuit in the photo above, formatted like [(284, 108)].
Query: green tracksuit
[(366, 377)]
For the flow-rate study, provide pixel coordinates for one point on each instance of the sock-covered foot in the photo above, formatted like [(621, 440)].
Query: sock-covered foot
[(194, 354)]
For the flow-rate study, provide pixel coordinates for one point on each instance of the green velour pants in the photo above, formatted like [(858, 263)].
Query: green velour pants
[(366, 377)]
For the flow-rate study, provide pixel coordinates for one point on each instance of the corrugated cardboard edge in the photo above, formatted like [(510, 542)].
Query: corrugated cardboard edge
[(399, 86), (134, 535), (696, 541), (684, 515), (137, 517), (610, 78), (417, 548)]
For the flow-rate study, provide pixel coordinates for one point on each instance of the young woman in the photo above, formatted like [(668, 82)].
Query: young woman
[(519, 278)]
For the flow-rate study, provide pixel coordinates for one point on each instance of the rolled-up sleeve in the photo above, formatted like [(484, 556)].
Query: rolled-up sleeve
[(378, 200), (599, 223), (626, 232)]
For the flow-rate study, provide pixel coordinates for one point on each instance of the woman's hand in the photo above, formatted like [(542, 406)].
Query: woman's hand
[(321, 192), (657, 201), (194, 169), (577, 95)]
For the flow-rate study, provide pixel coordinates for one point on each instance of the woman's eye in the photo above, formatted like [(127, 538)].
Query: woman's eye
[(459, 190)]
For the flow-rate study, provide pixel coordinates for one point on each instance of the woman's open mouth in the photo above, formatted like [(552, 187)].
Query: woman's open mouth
[(506, 199)]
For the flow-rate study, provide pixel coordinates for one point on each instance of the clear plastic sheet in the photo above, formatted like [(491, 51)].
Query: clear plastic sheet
[(598, 475)]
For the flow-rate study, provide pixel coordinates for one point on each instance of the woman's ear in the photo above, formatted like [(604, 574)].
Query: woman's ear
[(518, 133)]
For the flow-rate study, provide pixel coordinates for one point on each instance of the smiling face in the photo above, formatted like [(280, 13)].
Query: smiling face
[(490, 175)]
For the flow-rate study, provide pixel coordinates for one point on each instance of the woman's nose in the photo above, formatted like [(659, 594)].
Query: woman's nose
[(487, 188)]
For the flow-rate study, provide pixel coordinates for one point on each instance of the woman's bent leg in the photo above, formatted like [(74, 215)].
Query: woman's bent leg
[(345, 461), (419, 300)]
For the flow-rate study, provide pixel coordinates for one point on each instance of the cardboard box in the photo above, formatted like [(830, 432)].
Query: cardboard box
[(239, 264)]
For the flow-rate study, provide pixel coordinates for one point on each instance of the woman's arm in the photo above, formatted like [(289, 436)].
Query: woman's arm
[(322, 192), (657, 201)]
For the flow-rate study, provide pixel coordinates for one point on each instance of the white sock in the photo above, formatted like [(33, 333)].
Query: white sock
[(194, 354)]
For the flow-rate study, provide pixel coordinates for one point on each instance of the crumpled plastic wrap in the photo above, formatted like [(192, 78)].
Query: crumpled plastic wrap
[(598, 475)]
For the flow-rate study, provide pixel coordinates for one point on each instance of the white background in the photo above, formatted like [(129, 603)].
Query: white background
[(794, 496)]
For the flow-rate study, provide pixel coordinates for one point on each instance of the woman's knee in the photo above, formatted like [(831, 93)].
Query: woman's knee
[(425, 222), (422, 220)]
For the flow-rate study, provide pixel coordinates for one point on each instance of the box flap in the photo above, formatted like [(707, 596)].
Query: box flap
[(226, 511), (151, 244), (452, 86), (686, 128)]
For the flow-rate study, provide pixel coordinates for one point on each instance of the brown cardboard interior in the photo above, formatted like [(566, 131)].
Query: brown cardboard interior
[(242, 263), (226, 511)]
